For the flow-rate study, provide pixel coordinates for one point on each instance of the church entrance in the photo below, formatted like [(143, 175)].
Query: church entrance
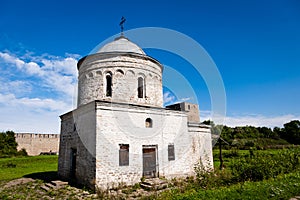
[(73, 163), (149, 161)]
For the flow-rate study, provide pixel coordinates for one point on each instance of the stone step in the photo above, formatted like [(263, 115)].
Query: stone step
[(154, 184), (59, 184), (44, 187), (153, 187), (295, 198), (49, 185), (146, 187), (53, 185)]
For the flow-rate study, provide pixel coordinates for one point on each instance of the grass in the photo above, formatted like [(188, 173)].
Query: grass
[(17, 167), (228, 155), (283, 187)]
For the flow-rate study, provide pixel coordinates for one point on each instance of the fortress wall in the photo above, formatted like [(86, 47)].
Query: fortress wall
[(35, 143)]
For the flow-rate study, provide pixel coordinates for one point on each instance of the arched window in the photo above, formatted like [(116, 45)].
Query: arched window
[(141, 87), (148, 123), (108, 85)]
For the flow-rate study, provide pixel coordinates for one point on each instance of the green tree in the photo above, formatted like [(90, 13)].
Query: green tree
[(266, 132), (291, 132), (8, 144), (276, 132)]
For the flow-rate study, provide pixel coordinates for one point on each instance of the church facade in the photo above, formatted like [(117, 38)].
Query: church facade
[(120, 131)]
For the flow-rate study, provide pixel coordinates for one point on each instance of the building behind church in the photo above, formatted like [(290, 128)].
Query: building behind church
[(120, 131)]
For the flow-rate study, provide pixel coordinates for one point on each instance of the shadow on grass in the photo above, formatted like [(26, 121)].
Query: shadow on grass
[(45, 176)]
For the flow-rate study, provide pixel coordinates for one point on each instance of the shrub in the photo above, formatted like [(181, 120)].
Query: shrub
[(255, 166), (22, 152), (264, 166)]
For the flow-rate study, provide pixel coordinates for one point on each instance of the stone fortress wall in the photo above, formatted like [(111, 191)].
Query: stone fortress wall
[(35, 143)]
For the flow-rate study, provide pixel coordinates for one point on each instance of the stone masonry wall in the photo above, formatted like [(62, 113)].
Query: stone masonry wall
[(201, 147), (193, 111), (119, 124), (125, 70), (78, 132), (35, 143)]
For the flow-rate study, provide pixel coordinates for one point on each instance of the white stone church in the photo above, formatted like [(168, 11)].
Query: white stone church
[(120, 131)]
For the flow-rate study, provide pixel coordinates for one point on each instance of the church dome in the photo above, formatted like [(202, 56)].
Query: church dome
[(120, 71), (121, 44)]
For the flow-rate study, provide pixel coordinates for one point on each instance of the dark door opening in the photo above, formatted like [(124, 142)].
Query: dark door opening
[(73, 163), (149, 161)]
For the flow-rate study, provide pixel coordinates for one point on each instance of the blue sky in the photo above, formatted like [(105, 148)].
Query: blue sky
[(254, 44)]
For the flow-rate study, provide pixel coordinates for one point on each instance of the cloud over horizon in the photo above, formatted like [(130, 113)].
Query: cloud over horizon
[(256, 120), (35, 91)]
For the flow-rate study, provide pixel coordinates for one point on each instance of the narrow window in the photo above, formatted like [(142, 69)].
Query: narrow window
[(108, 85), (141, 87), (171, 152), (124, 155), (148, 123)]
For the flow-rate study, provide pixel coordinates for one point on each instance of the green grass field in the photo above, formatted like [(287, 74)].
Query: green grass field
[(17, 167), (282, 186), (264, 166)]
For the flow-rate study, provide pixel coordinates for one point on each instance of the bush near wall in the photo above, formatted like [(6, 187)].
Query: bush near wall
[(8, 145)]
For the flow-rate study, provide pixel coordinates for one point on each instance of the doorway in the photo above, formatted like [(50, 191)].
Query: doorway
[(150, 161), (73, 163)]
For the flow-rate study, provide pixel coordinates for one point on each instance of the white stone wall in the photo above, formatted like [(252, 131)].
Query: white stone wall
[(201, 147), (102, 126), (125, 68), (78, 132), (119, 124)]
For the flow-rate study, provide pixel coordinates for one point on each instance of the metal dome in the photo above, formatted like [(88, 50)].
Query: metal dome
[(121, 44)]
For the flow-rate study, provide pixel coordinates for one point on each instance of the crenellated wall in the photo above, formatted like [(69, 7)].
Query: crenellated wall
[(35, 143)]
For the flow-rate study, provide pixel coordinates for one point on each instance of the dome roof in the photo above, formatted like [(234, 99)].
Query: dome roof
[(121, 44)]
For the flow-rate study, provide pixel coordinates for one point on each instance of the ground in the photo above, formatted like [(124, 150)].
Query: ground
[(29, 188), (36, 178)]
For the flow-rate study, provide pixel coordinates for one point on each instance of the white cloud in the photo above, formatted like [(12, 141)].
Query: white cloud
[(26, 119), (66, 65), (185, 99), (260, 120), (35, 90), (18, 86), (59, 74), (34, 103), (253, 120), (168, 98), (30, 115), (33, 69)]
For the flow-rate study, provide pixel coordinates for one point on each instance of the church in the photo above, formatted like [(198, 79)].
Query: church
[(120, 131)]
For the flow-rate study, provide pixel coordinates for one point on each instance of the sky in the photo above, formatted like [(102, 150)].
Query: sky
[(254, 44)]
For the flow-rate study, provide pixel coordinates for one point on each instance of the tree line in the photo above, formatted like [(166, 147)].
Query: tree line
[(289, 133)]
